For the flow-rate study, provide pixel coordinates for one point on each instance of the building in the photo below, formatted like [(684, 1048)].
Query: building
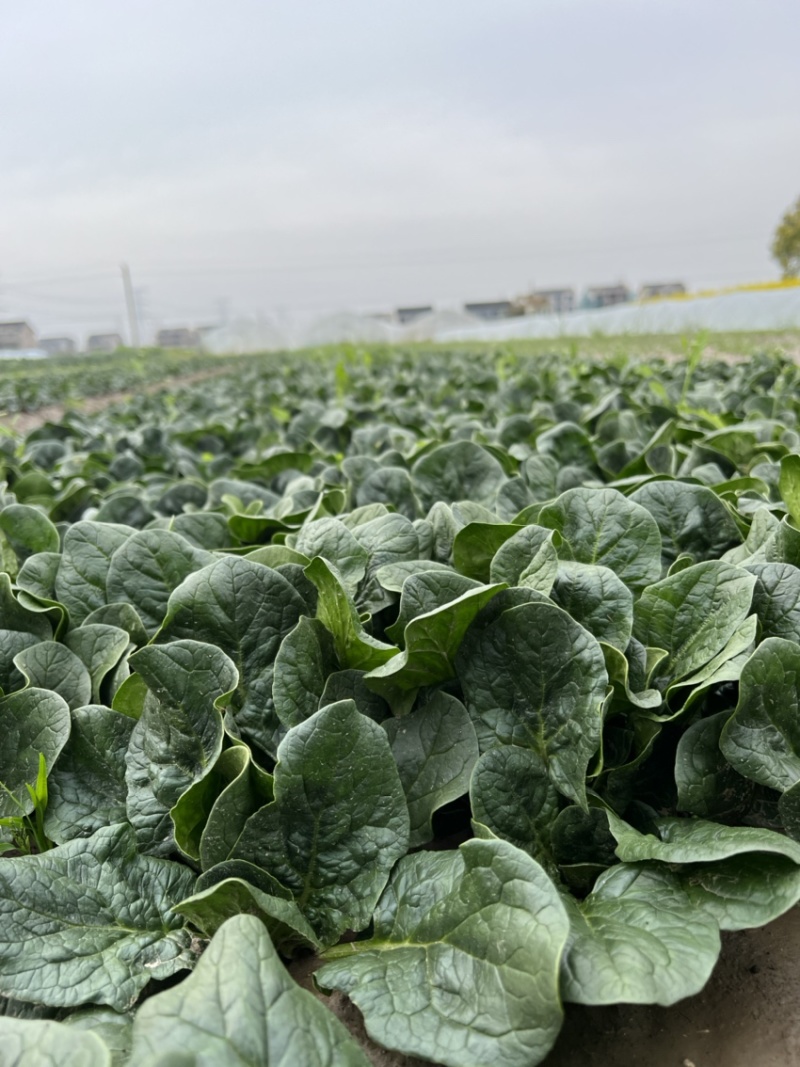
[(16, 335), (545, 302), (58, 346), (656, 290), (405, 315), (491, 309), (103, 342), (603, 296), (560, 301), (178, 337)]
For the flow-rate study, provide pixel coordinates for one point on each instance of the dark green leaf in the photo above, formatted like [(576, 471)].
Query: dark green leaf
[(636, 939), (240, 1007), (33, 723), (435, 749), (96, 921), (762, 738), (179, 735), (463, 963), (87, 787), (602, 526), (339, 820), (304, 661), (246, 610), (146, 568), (534, 677)]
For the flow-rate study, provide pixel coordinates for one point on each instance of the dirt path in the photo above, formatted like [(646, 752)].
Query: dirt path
[(25, 421), (747, 1016)]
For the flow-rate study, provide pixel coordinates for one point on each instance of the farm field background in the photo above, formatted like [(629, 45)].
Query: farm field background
[(462, 677)]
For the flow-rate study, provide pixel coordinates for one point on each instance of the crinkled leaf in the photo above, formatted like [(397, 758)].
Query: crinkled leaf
[(331, 539), (534, 677), (692, 519), (596, 598), (463, 963), (123, 617), (431, 643), (636, 939), (28, 530), (85, 561), (604, 527), (512, 795), (339, 820), (528, 558), (776, 599), (707, 784), (623, 679), (425, 592), (90, 922), (37, 577), (245, 609), (99, 647), (762, 738), (19, 629), (387, 539), (692, 615), (212, 812), (582, 838), (179, 735), (240, 1007), (146, 568), (50, 665), (435, 749), (305, 659), (458, 471), (390, 485), (86, 788), (33, 723)]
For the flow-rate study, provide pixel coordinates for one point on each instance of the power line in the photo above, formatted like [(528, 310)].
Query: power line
[(460, 255), (419, 257), (73, 276)]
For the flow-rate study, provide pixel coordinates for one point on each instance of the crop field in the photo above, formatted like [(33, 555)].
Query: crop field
[(467, 680)]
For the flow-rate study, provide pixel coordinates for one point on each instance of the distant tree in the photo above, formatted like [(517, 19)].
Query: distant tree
[(786, 243)]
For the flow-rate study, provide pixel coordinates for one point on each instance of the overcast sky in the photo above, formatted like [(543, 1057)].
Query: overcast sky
[(308, 155)]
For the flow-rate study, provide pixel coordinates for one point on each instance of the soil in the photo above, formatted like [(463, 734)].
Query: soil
[(747, 1015)]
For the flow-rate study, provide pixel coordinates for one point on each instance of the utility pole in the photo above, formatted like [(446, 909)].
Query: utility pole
[(130, 302), (140, 303)]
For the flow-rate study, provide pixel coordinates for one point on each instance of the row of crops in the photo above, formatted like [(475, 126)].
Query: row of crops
[(27, 384), (474, 676)]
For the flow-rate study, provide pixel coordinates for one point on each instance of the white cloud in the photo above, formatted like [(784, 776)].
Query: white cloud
[(360, 153)]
